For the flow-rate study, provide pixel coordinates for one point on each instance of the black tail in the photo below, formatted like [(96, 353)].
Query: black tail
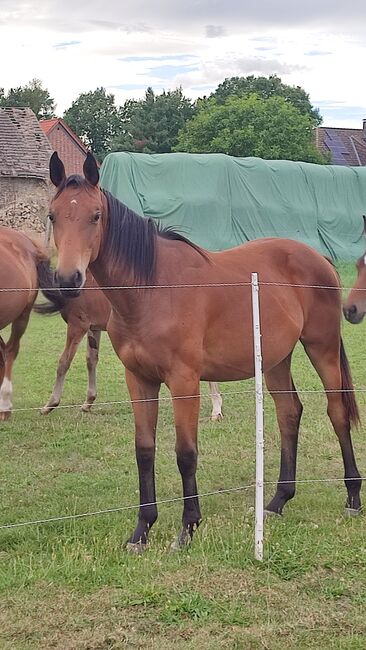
[(348, 396), (46, 283)]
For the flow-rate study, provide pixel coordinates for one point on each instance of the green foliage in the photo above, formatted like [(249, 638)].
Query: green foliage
[(96, 119), (152, 124), (251, 126), (32, 95), (266, 87)]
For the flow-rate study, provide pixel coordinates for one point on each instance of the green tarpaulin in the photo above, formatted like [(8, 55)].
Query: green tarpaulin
[(219, 201)]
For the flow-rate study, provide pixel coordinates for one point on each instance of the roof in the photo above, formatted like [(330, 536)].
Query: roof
[(48, 126), (24, 149), (346, 146)]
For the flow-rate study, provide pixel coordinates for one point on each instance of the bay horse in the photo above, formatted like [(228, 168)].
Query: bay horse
[(24, 266), (88, 314), (354, 307), (181, 314)]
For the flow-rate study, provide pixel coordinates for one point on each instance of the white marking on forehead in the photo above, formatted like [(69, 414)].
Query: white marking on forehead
[(74, 201)]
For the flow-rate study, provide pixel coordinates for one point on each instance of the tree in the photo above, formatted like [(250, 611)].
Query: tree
[(152, 124), (96, 119), (267, 87), (251, 126), (32, 95)]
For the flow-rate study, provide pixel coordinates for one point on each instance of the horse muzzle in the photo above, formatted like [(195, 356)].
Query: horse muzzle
[(70, 286), (353, 315)]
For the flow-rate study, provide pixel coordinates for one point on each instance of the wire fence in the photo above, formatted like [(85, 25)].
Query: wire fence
[(200, 495), (229, 490), (202, 285)]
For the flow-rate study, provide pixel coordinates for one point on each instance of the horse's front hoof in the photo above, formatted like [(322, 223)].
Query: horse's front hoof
[(217, 417), (86, 408), (136, 548), (352, 512), (181, 542), (271, 513), (5, 415)]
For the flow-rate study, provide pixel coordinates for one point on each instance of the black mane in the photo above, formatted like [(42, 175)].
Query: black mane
[(131, 240)]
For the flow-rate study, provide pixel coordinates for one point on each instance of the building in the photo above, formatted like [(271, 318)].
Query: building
[(67, 144), (345, 146), (24, 157)]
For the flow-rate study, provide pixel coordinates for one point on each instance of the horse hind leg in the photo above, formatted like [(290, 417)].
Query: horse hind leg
[(216, 399), (11, 352), (92, 355), (2, 360), (288, 409), (73, 338), (330, 362)]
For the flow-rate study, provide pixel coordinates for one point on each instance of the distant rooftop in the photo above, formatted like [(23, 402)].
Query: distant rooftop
[(24, 148), (346, 146)]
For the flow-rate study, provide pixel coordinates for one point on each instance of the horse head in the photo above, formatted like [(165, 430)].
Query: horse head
[(76, 215)]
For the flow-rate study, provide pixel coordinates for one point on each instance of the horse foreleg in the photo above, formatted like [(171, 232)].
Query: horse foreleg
[(144, 397), (92, 355), (289, 410), (11, 352), (216, 399), (186, 412), (74, 336)]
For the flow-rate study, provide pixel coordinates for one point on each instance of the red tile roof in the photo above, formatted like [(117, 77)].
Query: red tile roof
[(70, 148), (47, 125)]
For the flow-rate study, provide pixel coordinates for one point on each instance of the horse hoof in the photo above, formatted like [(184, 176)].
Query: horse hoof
[(5, 415), (136, 548), (45, 410), (181, 542), (86, 408), (270, 513), (352, 512), (217, 418)]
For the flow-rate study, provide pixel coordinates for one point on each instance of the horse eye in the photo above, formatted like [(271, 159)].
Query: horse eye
[(51, 217), (96, 217)]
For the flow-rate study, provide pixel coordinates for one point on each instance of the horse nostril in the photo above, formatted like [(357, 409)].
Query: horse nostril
[(78, 278), (352, 310)]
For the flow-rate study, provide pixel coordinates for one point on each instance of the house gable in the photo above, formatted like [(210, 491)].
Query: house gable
[(69, 147)]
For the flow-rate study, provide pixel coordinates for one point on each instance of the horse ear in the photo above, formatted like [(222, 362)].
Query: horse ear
[(90, 169), (57, 170)]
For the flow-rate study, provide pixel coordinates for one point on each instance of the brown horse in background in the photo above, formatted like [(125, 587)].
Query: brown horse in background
[(354, 307), (168, 325), (24, 266), (89, 314)]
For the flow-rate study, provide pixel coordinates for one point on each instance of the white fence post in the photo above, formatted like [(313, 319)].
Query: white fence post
[(259, 429)]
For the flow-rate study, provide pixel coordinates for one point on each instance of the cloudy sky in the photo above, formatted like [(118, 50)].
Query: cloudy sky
[(74, 46)]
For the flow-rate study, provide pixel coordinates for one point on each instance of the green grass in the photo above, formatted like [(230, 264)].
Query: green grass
[(71, 585)]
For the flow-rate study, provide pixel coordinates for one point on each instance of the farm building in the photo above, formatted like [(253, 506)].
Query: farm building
[(345, 146), (69, 147), (24, 156)]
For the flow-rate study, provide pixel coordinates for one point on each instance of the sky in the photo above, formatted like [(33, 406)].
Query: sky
[(75, 46)]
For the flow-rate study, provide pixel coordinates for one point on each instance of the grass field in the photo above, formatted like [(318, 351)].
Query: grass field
[(70, 585)]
